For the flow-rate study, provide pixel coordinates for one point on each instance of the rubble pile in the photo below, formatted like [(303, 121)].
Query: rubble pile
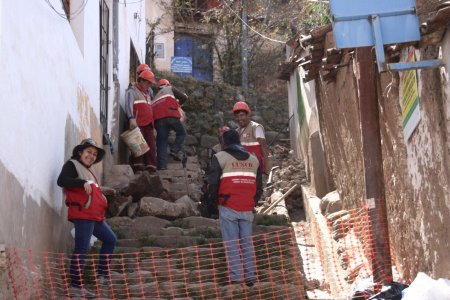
[(287, 174), (169, 194)]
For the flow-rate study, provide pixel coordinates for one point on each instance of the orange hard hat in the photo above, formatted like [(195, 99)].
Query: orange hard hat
[(148, 75), (162, 82), (142, 67), (241, 105)]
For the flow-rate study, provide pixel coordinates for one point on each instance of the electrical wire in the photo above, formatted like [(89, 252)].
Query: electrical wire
[(71, 15), (134, 2), (248, 26)]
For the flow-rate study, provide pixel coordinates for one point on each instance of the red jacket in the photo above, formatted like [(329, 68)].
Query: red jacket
[(165, 104), (142, 110), (86, 207), (238, 183)]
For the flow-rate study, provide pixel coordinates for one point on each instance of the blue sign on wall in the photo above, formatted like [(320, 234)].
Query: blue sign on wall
[(181, 64)]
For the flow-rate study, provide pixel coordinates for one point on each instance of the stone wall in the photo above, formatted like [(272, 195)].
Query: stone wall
[(416, 173)]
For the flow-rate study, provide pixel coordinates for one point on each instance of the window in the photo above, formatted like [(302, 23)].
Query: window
[(134, 62), (104, 53), (159, 50)]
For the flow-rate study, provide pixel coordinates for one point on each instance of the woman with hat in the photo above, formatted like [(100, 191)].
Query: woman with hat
[(87, 206)]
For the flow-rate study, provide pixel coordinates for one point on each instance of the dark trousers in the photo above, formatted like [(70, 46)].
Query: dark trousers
[(163, 127), (149, 158), (84, 229)]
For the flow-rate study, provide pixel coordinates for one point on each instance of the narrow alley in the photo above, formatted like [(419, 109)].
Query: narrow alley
[(222, 149)]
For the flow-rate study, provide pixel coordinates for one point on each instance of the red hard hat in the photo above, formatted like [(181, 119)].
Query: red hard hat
[(142, 67), (162, 82), (148, 75), (241, 105), (223, 129)]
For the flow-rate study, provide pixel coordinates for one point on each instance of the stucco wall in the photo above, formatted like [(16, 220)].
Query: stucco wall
[(416, 173), (159, 11), (50, 100)]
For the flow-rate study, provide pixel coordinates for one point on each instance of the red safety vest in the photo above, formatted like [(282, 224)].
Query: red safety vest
[(237, 186), (142, 109), (165, 104), (250, 143), (83, 206)]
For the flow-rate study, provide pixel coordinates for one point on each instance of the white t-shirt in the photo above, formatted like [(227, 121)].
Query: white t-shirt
[(259, 133)]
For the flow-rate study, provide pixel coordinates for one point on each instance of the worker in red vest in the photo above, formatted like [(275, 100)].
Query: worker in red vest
[(140, 113), (166, 112), (235, 185), (87, 206), (139, 69), (252, 135)]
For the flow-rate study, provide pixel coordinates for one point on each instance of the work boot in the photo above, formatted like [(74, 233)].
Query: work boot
[(150, 168), (178, 156), (78, 291)]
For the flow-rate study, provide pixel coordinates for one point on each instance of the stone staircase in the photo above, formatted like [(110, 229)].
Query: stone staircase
[(179, 181), (185, 259)]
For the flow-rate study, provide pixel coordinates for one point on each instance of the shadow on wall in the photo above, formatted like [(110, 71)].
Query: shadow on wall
[(26, 224)]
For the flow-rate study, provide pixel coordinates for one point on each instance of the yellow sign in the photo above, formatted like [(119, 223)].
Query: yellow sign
[(409, 99)]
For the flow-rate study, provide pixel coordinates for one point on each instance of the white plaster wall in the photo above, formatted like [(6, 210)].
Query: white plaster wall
[(294, 127), (43, 69), (135, 24), (164, 33), (309, 99)]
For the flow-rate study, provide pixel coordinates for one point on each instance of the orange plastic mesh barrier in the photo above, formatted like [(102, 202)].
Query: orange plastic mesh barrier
[(317, 260), (347, 251), (198, 272)]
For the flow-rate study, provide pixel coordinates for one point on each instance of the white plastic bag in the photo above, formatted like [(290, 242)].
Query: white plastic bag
[(425, 288), (92, 241)]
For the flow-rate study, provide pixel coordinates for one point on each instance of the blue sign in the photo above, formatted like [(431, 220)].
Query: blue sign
[(353, 22), (181, 64), (363, 23)]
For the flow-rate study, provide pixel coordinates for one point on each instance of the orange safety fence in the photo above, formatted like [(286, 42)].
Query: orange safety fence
[(198, 272), (310, 261)]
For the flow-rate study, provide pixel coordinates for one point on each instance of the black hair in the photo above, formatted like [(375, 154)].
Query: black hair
[(231, 137)]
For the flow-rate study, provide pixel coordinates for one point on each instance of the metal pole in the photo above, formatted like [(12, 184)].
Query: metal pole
[(244, 49), (373, 166)]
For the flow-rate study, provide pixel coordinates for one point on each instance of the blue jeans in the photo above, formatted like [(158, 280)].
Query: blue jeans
[(163, 127), (236, 228), (84, 229)]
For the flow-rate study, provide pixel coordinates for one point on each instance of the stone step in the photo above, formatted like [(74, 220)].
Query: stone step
[(169, 174), (179, 166), (167, 241), (204, 290)]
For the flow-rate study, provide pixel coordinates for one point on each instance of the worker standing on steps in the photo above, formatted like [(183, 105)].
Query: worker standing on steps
[(235, 184), (86, 210), (140, 113), (139, 69), (166, 112), (252, 135)]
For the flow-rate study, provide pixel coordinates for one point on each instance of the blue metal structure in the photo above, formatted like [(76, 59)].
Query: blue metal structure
[(363, 23)]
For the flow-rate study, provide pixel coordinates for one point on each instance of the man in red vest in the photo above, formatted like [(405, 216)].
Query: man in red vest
[(139, 111), (252, 135), (235, 184), (166, 112)]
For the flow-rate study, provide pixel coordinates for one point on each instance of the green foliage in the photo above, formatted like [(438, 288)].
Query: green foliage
[(268, 220), (180, 223), (147, 241), (205, 232), (315, 14)]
